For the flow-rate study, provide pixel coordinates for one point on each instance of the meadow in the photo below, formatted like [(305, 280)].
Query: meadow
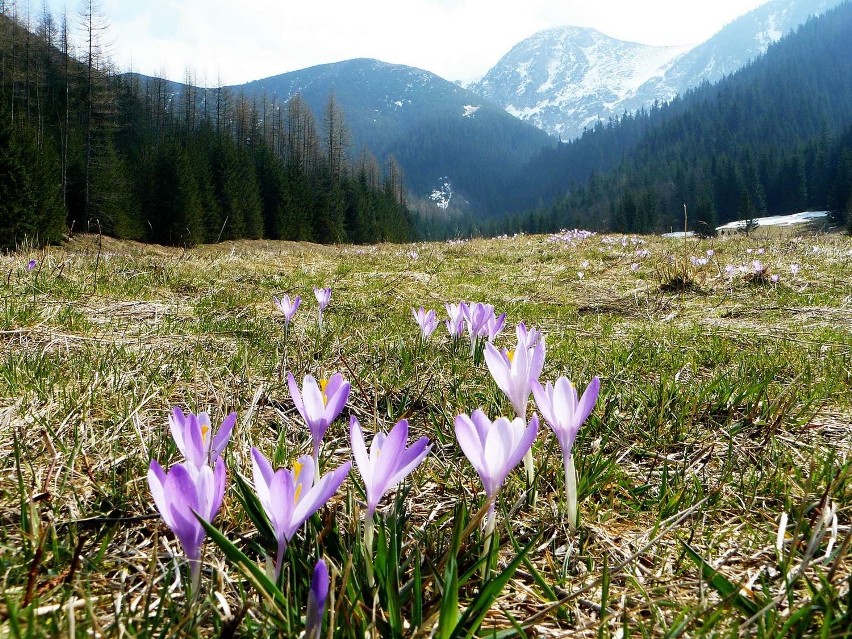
[(714, 474)]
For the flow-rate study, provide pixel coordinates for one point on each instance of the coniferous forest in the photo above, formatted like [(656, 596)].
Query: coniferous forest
[(83, 148)]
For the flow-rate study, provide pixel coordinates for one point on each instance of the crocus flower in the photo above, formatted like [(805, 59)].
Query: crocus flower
[(565, 414), (180, 493), (494, 449), (323, 296), (794, 269), (31, 265), (287, 306), (529, 337), (289, 497), (476, 317), (455, 325), (386, 464), (515, 371), (388, 461), (194, 439), (316, 601), (319, 405), (427, 321)]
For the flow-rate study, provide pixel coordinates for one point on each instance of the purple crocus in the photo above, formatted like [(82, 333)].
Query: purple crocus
[(388, 461), (455, 325), (323, 296), (181, 493), (386, 464), (319, 404), (31, 265), (529, 337), (565, 414), (481, 322), (288, 307), (289, 497), (494, 449), (427, 320), (515, 371), (316, 601), (194, 439)]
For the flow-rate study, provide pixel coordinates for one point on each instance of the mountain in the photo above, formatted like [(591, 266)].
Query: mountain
[(564, 80), (773, 138), (438, 131)]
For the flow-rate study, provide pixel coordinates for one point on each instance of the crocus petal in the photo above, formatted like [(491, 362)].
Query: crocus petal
[(316, 497), (313, 400), (587, 402), (359, 450), (409, 460), (296, 395), (498, 366), (470, 443), (156, 482), (386, 464), (336, 401), (223, 435), (544, 400), (219, 480)]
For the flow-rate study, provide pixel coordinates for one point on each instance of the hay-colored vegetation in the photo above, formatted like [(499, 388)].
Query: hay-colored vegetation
[(724, 412)]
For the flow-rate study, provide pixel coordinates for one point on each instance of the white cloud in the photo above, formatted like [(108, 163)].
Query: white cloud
[(249, 39)]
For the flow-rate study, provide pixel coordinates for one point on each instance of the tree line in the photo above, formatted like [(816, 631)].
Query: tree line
[(84, 148)]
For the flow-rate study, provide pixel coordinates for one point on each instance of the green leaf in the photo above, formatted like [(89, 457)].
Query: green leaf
[(255, 575), (726, 589), (251, 504), (449, 614), (473, 615)]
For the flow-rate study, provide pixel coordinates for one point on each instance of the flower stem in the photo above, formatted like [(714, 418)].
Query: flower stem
[(369, 529), (194, 577), (490, 523), (571, 492)]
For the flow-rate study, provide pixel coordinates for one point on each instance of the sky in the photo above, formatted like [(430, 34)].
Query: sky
[(236, 41)]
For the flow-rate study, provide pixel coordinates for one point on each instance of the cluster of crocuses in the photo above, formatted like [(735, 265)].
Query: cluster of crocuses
[(516, 372), (288, 307), (193, 490)]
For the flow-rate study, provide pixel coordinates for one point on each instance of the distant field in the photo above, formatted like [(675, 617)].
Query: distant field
[(714, 473)]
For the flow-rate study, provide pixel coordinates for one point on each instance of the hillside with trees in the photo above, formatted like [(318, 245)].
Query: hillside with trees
[(83, 148)]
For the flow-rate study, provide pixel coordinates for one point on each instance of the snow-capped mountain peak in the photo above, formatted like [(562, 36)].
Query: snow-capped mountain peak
[(566, 79)]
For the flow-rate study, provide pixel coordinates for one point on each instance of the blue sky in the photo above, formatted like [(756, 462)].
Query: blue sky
[(240, 40)]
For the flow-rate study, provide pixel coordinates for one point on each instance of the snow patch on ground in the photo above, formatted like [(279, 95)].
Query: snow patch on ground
[(778, 220), (469, 110)]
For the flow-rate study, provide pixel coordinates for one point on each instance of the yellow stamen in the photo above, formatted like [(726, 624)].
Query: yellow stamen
[(511, 356), (323, 384), (205, 428), (297, 470)]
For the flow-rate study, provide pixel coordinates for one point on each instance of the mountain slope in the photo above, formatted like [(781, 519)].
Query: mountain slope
[(564, 80), (770, 138), (434, 128)]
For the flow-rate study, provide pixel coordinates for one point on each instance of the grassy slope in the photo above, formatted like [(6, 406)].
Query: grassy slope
[(732, 396)]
